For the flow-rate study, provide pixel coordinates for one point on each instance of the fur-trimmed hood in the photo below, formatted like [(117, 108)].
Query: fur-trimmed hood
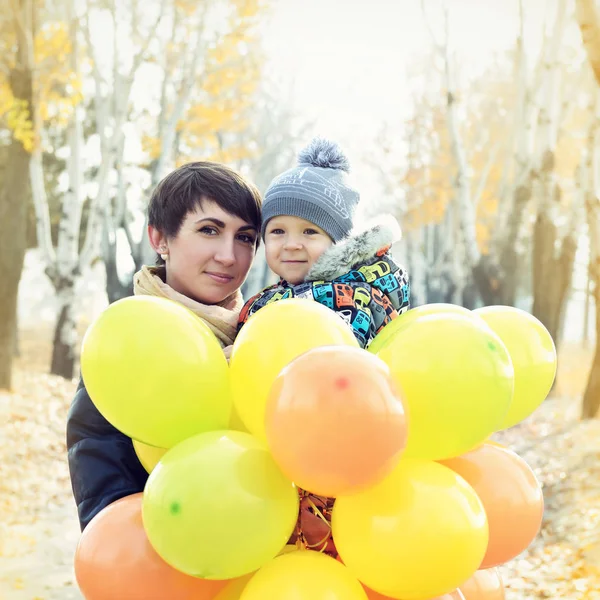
[(354, 250)]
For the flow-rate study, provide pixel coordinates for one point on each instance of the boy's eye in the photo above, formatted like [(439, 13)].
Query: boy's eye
[(310, 231), (276, 231)]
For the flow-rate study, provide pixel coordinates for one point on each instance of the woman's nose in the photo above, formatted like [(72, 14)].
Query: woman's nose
[(225, 253)]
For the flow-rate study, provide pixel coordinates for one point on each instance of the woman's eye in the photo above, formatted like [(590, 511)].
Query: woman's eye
[(208, 230), (247, 239)]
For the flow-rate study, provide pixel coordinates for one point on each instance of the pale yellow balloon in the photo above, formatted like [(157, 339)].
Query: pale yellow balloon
[(456, 378), (304, 575), (418, 534), (156, 371), (386, 334), (533, 355), (269, 341), (148, 455)]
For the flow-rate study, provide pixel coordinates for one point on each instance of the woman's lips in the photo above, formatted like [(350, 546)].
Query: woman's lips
[(219, 277)]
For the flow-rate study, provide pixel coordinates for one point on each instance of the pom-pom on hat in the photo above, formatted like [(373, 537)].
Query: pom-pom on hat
[(317, 189)]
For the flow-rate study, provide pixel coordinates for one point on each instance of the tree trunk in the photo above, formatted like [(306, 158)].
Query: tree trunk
[(588, 18), (13, 226), (115, 288), (509, 258), (591, 397), (417, 266), (586, 314), (65, 332), (545, 279)]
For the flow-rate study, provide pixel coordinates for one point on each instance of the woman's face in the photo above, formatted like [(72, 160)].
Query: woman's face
[(211, 255)]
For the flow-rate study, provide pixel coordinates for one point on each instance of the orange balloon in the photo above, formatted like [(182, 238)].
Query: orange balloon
[(114, 559), (335, 421), (455, 595), (510, 494), (484, 585)]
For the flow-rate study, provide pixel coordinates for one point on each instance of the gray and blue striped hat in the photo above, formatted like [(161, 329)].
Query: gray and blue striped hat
[(317, 189)]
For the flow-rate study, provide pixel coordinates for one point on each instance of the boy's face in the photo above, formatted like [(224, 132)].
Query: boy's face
[(292, 246)]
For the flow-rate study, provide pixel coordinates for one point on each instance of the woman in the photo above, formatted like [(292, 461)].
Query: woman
[(203, 222)]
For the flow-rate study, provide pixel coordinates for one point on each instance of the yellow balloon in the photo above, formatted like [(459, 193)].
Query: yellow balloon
[(457, 381), (235, 422), (271, 339), (533, 355), (148, 455), (418, 534), (233, 590), (382, 338), (156, 371), (304, 575)]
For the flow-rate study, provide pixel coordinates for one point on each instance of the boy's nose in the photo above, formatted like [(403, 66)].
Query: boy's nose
[(292, 244)]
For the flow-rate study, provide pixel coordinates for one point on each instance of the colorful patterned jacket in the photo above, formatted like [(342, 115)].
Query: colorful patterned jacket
[(357, 278)]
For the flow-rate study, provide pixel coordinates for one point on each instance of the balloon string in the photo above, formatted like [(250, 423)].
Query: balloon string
[(322, 544), (301, 541), (318, 512)]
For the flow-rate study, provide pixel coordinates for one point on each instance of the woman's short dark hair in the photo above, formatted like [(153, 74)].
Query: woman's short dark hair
[(184, 190)]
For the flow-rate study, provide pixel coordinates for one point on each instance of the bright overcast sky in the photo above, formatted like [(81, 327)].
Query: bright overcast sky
[(348, 58)]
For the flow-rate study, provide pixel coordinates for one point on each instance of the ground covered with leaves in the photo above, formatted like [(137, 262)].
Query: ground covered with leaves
[(39, 530)]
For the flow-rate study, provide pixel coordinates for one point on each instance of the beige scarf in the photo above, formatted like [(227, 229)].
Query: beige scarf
[(222, 318)]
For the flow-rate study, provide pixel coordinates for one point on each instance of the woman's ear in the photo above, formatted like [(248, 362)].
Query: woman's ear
[(158, 241)]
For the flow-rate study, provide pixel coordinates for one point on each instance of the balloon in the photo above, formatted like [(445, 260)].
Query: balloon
[(216, 506), (304, 575), (511, 496), (156, 371), (236, 422), (272, 338), (533, 356), (115, 560), (234, 589), (455, 595), (457, 381), (484, 585), (335, 423), (386, 334), (419, 533), (148, 455)]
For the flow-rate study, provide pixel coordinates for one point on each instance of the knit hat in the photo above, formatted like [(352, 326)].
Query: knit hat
[(317, 189)]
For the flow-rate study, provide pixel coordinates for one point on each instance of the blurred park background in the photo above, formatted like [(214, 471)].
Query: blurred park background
[(475, 122)]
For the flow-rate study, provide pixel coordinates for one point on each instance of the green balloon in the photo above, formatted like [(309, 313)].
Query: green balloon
[(217, 506), (386, 334)]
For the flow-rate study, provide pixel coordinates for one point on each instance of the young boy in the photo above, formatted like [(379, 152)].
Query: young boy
[(308, 214)]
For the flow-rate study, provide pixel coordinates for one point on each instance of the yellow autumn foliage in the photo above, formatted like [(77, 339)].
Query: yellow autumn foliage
[(224, 98), (56, 88)]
